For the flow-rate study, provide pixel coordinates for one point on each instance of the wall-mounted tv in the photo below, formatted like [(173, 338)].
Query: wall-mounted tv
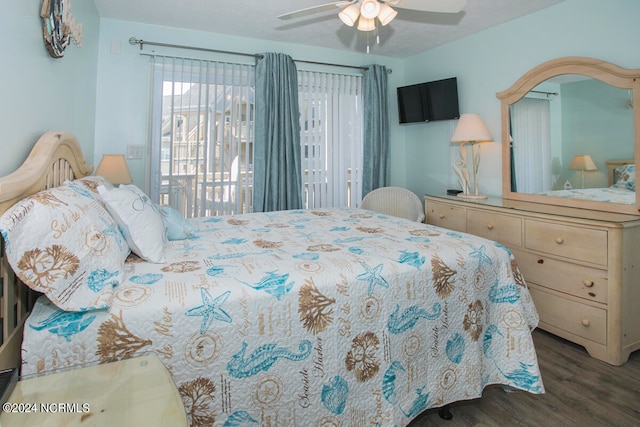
[(430, 101)]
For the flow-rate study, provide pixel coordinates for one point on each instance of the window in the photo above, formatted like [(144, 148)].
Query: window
[(202, 133), (331, 138), (202, 136)]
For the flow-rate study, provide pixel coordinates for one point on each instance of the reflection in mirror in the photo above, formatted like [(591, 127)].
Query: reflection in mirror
[(587, 107), (569, 135)]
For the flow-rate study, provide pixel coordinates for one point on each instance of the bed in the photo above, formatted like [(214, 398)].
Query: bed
[(621, 189), (305, 317)]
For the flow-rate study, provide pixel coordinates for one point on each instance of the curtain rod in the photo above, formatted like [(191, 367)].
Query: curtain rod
[(141, 42), (544, 93)]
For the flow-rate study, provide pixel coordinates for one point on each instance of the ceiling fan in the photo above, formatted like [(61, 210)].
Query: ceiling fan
[(365, 12)]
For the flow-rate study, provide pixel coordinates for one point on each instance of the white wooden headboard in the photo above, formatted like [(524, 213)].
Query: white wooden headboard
[(55, 158)]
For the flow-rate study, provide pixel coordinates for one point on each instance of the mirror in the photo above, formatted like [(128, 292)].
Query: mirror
[(573, 135)]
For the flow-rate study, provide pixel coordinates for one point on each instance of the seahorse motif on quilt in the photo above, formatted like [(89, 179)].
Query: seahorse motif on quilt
[(399, 323), (263, 358)]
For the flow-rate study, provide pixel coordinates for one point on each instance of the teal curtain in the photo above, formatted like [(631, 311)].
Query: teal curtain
[(375, 168), (277, 176)]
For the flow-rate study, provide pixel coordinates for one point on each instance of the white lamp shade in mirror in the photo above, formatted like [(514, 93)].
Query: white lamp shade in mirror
[(583, 162)]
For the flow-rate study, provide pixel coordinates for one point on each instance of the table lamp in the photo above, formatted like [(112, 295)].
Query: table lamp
[(583, 162), (470, 129), (114, 168)]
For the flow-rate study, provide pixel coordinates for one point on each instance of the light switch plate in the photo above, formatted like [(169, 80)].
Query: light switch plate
[(134, 152)]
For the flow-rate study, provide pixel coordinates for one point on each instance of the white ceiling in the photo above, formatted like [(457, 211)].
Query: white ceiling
[(409, 33)]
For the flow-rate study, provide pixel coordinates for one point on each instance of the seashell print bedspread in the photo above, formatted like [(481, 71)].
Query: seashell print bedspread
[(323, 317)]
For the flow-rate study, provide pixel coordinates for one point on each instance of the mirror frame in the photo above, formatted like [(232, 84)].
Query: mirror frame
[(597, 69)]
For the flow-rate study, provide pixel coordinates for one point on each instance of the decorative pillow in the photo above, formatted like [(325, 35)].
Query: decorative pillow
[(626, 177), (178, 228), (63, 243), (91, 183), (139, 219)]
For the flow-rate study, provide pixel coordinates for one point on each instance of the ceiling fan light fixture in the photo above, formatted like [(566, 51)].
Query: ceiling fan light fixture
[(349, 15), (370, 9), (387, 13), (366, 24)]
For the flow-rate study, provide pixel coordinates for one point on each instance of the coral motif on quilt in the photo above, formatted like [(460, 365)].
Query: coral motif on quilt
[(316, 310)]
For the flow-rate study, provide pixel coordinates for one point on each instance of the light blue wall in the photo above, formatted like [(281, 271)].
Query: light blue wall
[(100, 91), (595, 121), (124, 79), (491, 61), (39, 93)]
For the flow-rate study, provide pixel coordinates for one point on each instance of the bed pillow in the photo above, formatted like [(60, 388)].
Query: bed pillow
[(64, 243), (626, 177), (178, 228), (91, 183), (139, 219), (88, 186)]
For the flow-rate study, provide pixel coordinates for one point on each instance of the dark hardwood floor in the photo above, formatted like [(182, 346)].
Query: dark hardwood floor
[(580, 391)]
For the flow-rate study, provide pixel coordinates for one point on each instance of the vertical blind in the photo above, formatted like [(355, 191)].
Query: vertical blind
[(202, 136), (331, 138)]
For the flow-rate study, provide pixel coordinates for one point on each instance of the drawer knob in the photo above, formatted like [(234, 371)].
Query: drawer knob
[(559, 240), (441, 216), (586, 322), (490, 226), (588, 283)]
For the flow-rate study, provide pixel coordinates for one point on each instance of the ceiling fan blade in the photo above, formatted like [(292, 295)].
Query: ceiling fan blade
[(316, 9), (439, 6)]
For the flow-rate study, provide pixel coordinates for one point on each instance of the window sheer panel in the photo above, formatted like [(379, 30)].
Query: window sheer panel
[(202, 145), (331, 124), (532, 144)]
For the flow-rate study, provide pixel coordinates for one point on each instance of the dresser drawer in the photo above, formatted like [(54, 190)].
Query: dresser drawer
[(582, 244), (578, 280), (578, 319), (505, 229), (447, 216)]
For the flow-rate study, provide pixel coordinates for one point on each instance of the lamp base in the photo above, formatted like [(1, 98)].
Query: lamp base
[(472, 196)]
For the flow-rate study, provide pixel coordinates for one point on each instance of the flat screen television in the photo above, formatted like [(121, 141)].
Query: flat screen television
[(429, 101)]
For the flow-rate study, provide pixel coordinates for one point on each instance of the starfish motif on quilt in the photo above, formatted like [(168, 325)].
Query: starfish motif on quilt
[(372, 275), (210, 310), (480, 254)]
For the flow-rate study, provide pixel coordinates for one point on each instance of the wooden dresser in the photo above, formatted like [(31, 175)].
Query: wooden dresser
[(582, 266)]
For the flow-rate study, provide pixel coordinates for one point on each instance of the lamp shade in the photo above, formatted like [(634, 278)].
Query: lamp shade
[(386, 14), (366, 24), (583, 162), (471, 128), (349, 14), (114, 168), (369, 8)]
